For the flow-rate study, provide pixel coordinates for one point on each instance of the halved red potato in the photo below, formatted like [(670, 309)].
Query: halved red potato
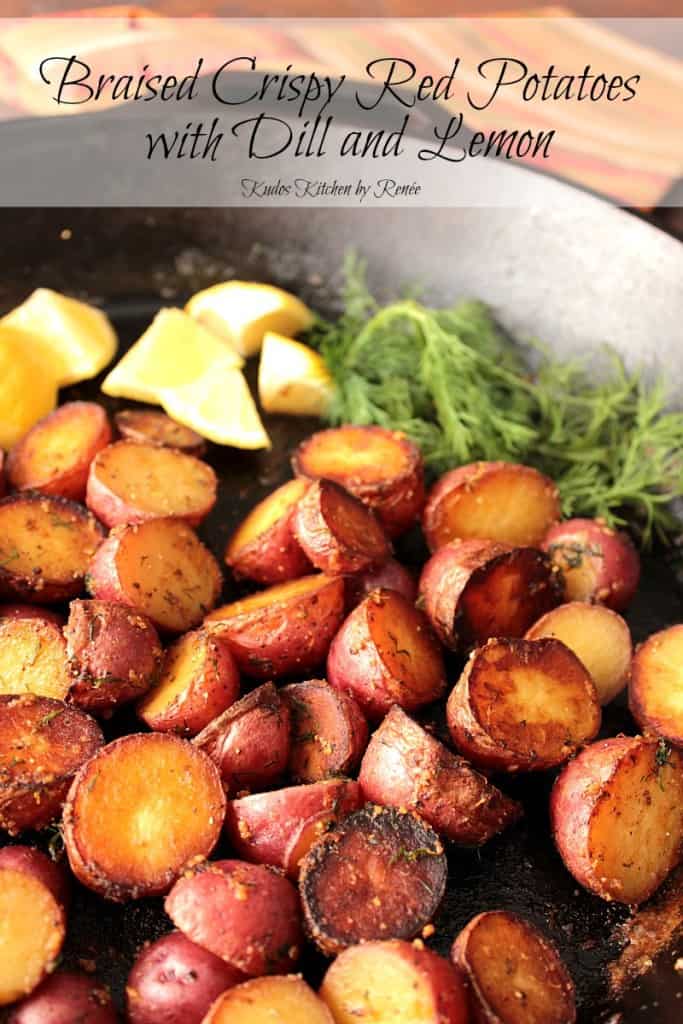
[(46, 544), (337, 532), (30, 611), (394, 982), (3, 473), (390, 576), (33, 658), (67, 997), (475, 589), (599, 638), (32, 932), (501, 501), (385, 653), (139, 812), (55, 456), (329, 732), (514, 973), (263, 547), (151, 426), (279, 999), (160, 569), (284, 630), (43, 743), (655, 692), (617, 816), (278, 828), (406, 767), (34, 862), (597, 562), (246, 914), (131, 483)]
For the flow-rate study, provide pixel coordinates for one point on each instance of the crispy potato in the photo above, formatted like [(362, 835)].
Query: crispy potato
[(497, 718), (250, 741), (329, 732), (46, 544), (498, 501), (385, 653), (337, 532), (151, 426), (43, 743), (514, 973), (617, 816), (139, 812), (113, 655), (66, 998), (55, 456), (404, 766), (246, 914), (390, 576), (381, 467), (33, 658), (394, 982), (656, 687), (3, 473), (278, 828), (32, 931), (34, 862), (160, 569), (599, 638), (475, 589), (30, 611), (597, 563), (263, 548), (284, 630), (131, 483), (283, 999)]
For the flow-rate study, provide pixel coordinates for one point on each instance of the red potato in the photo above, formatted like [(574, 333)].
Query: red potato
[(246, 914), (151, 426), (390, 576), (66, 998), (43, 743), (160, 569), (404, 766), (499, 501), (617, 816), (30, 611), (250, 742), (497, 719), (173, 981), (385, 653), (394, 982), (337, 532), (278, 828), (599, 638), (55, 456), (32, 931), (597, 563), (113, 655), (280, 999), (514, 973), (656, 688), (139, 812), (285, 630), (34, 862), (263, 548), (33, 658), (475, 589), (46, 544), (3, 473), (381, 467), (329, 732), (198, 681), (131, 483)]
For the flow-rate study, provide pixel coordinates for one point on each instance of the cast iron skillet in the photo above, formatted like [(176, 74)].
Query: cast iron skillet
[(574, 277)]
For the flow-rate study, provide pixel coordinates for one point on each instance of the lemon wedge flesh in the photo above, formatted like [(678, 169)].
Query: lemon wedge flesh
[(73, 340), (174, 350), (27, 390), (241, 312), (292, 379)]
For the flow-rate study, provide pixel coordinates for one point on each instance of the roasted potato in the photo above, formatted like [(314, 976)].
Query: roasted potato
[(30, 611), (66, 998), (281, 999), (597, 563), (34, 862), (33, 658), (151, 426), (263, 548), (390, 576), (337, 532), (3, 473), (329, 732), (656, 686), (31, 934)]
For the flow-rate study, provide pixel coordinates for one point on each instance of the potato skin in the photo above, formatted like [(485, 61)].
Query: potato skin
[(329, 731), (3, 473), (649, 679), (66, 998), (151, 426), (337, 532), (390, 576), (34, 862), (30, 611), (274, 555), (597, 562)]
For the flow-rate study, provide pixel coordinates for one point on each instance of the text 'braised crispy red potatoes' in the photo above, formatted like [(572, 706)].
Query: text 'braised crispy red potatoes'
[(337, 532), (381, 467), (281, 999), (617, 816), (404, 766), (329, 732), (159, 568), (139, 812), (67, 998), (43, 743), (55, 456), (501, 501), (284, 630), (385, 653), (656, 686), (475, 589), (246, 914), (46, 544), (394, 983), (130, 483), (514, 973), (33, 658), (32, 930), (151, 426), (263, 547), (597, 563)]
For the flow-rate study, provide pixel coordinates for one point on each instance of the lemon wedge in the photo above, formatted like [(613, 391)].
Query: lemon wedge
[(242, 311), (73, 340), (27, 390), (292, 378), (173, 351)]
